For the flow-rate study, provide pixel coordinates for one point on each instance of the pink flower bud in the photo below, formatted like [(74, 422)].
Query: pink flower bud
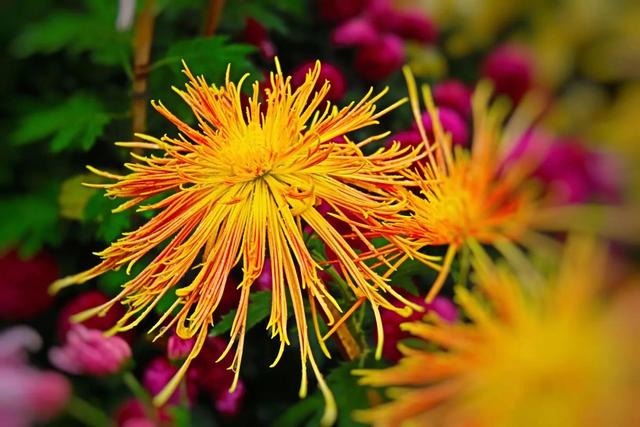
[(391, 322), (159, 372), (24, 285), (451, 122), (89, 352), (511, 69), (355, 32), (453, 94), (178, 349), (378, 60), (328, 72), (27, 395)]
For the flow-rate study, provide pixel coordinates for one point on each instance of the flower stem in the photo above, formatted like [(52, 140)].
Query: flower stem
[(87, 413), (141, 394)]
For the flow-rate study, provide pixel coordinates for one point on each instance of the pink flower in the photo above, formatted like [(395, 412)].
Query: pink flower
[(27, 395), (340, 10), (570, 170), (453, 94), (24, 285), (159, 372), (577, 174), (85, 301), (452, 123), (178, 349), (355, 32), (89, 352), (328, 72), (378, 60), (511, 69), (391, 322), (256, 34)]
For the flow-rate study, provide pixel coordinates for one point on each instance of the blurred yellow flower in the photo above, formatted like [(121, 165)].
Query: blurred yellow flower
[(552, 355)]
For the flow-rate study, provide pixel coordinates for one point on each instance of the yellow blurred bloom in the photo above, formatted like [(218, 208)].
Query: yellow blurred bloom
[(238, 188), (554, 355)]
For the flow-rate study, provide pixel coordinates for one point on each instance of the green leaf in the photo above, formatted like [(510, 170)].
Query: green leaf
[(110, 225), (75, 124), (91, 30), (30, 220), (210, 57), (259, 309)]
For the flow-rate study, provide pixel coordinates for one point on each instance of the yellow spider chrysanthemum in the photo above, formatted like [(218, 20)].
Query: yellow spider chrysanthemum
[(557, 355), (464, 193), (241, 187)]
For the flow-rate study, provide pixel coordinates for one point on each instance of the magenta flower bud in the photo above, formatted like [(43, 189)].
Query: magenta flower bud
[(256, 34), (336, 11), (577, 174), (327, 72), (85, 301), (511, 69), (391, 321), (178, 349), (409, 25), (378, 60), (159, 372), (453, 94), (90, 352), (264, 282), (229, 404), (355, 32), (452, 123)]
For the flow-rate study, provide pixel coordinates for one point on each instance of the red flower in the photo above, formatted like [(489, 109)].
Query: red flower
[(24, 285), (451, 122)]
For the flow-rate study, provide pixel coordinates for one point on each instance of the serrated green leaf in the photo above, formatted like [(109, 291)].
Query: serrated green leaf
[(210, 57), (30, 221), (259, 308), (92, 30), (76, 123)]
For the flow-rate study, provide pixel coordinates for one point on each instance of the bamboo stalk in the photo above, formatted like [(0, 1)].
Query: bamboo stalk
[(214, 11), (142, 42)]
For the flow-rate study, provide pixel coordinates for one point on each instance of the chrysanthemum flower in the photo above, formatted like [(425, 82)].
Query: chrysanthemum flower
[(552, 355), (238, 188), (464, 193)]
